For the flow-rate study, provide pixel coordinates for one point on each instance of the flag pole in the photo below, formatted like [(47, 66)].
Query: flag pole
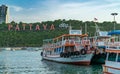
[(95, 20)]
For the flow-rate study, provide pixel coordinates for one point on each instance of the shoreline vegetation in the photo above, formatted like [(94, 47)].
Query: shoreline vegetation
[(18, 35)]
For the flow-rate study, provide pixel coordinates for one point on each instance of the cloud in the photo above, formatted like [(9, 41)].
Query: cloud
[(16, 8), (112, 1), (82, 10), (52, 10)]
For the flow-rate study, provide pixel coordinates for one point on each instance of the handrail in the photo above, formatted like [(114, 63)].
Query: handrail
[(85, 42)]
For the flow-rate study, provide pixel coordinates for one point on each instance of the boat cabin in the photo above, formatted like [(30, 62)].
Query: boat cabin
[(72, 42), (101, 39), (115, 36)]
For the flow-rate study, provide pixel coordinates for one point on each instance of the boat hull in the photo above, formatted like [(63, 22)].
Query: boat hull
[(98, 59), (111, 67), (76, 60)]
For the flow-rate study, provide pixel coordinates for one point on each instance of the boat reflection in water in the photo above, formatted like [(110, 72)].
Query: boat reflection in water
[(58, 68)]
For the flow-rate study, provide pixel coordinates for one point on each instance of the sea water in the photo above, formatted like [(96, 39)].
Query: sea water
[(30, 62)]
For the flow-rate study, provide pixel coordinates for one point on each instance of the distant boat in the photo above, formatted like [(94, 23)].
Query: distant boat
[(72, 48), (12, 49), (31, 48), (7, 48)]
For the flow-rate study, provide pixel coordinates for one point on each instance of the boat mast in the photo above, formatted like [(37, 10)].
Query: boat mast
[(70, 28), (85, 27), (97, 29)]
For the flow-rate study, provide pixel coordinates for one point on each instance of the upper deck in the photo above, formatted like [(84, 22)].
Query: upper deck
[(74, 38)]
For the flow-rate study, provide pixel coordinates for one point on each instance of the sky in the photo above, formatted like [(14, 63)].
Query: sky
[(31, 11)]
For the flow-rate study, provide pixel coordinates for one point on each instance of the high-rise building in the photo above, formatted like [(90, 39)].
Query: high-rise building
[(3, 14)]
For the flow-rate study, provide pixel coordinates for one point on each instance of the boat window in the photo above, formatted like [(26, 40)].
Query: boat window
[(113, 47), (112, 57), (118, 58)]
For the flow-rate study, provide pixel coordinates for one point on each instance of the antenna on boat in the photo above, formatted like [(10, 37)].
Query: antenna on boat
[(70, 27), (85, 27), (81, 29), (96, 27)]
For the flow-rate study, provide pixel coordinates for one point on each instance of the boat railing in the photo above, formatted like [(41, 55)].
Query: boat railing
[(85, 42), (113, 47), (69, 42), (58, 44), (113, 44), (100, 43), (48, 46), (77, 43)]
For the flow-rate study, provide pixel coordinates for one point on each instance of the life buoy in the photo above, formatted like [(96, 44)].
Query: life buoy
[(65, 55), (71, 53), (77, 53), (83, 51)]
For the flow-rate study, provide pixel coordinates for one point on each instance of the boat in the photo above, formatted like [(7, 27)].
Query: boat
[(100, 41), (112, 63), (72, 48)]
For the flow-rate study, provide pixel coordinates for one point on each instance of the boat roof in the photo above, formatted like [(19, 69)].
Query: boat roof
[(103, 36), (48, 40), (67, 35), (103, 33), (113, 51), (114, 32)]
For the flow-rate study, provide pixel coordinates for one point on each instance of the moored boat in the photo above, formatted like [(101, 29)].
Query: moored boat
[(100, 41), (72, 48), (112, 63)]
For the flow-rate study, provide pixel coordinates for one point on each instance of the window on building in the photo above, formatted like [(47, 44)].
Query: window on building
[(112, 57)]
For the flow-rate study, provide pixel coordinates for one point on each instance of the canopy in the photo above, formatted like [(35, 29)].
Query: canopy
[(114, 32)]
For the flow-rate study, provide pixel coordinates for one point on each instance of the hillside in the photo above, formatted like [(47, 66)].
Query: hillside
[(33, 38)]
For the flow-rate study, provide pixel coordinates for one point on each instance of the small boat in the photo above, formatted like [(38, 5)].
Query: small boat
[(72, 48)]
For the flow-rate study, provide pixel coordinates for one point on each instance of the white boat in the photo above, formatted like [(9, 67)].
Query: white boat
[(72, 48), (100, 40), (112, 63)]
